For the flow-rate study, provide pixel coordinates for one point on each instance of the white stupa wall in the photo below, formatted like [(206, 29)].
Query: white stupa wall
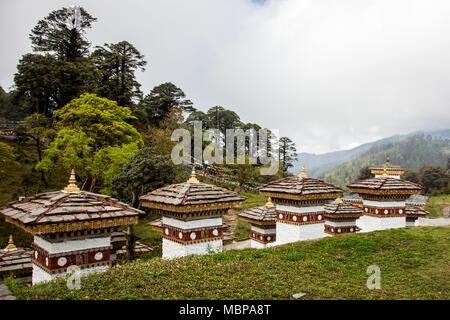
[(293, 209), (287, 232), (384, 204), (192, 224), (370, 223), (340, 223), (40, 275), (72, 245), (263, 231), (172, 249), (395, 176), (258, 245)]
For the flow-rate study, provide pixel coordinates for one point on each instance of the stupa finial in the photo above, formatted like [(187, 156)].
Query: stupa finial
[(388, 160), (10, 246), (338, 200), (193, 178), (72, 186), (303, 173), (269, 203)]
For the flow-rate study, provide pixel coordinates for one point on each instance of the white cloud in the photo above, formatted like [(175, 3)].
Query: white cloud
[(329, 74)]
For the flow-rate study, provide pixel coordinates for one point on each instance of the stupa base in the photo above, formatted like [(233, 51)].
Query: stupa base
[(40, 275), (369, 223), (172, 249), (287, 233)]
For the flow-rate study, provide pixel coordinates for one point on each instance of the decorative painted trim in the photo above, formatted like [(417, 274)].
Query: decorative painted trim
[(62, 270), (190, 236), (74, 226), (191, 208), (301, 203), (262, 238), (300, 219), (63, 254), (275, 195), (383, 212), (78, 235), (83, 259), (362, 191), (341, 229)]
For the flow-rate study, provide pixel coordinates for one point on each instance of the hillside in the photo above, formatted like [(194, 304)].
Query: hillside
[(412, 153), (317, 164), (413, 264)]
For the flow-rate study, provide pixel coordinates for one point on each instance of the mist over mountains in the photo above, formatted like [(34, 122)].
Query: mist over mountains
[(319, 164)]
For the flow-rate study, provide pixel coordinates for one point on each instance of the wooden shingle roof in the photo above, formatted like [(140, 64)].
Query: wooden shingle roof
[(342, 208), (266, 213), (299, 186), (385, 184), (417, 200), (45, 210), (16, 262), (414, 211), (192, 196)]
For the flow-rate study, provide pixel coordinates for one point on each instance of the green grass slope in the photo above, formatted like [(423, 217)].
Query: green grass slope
[(436, 204), (413, 263)]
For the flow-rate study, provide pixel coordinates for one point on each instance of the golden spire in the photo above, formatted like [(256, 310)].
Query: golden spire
[(193, 178), (303, 173), (388, 161), (338, 200), (269, 203), (72, 186), (384, 175), (10, 246)]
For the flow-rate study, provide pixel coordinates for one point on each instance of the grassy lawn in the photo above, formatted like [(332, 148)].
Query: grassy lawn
[(413, 263), (436, 204)]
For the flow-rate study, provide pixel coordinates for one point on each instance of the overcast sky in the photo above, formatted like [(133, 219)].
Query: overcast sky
[(329, 74)]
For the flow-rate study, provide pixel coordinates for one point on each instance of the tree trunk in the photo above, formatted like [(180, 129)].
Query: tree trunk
[(91, 189), (84, 183), (133, 195), (130, 243)]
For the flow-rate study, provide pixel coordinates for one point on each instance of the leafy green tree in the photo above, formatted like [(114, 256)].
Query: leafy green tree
[(117, 64), (160, 102), (10, 109), (38, 128), (63, 71), (412, 176), (62, 33), (145, 171), (434, 178), (220, 118), (8, 161), (94, 137), (287, 152), (101, 119), (364, 173), (36, 83)]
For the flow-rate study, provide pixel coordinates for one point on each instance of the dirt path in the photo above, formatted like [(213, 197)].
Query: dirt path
[(437, 222), (5, 294)]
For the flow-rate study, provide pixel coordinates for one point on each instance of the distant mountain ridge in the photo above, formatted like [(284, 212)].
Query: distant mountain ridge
[(318, 164), (412, 153)]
